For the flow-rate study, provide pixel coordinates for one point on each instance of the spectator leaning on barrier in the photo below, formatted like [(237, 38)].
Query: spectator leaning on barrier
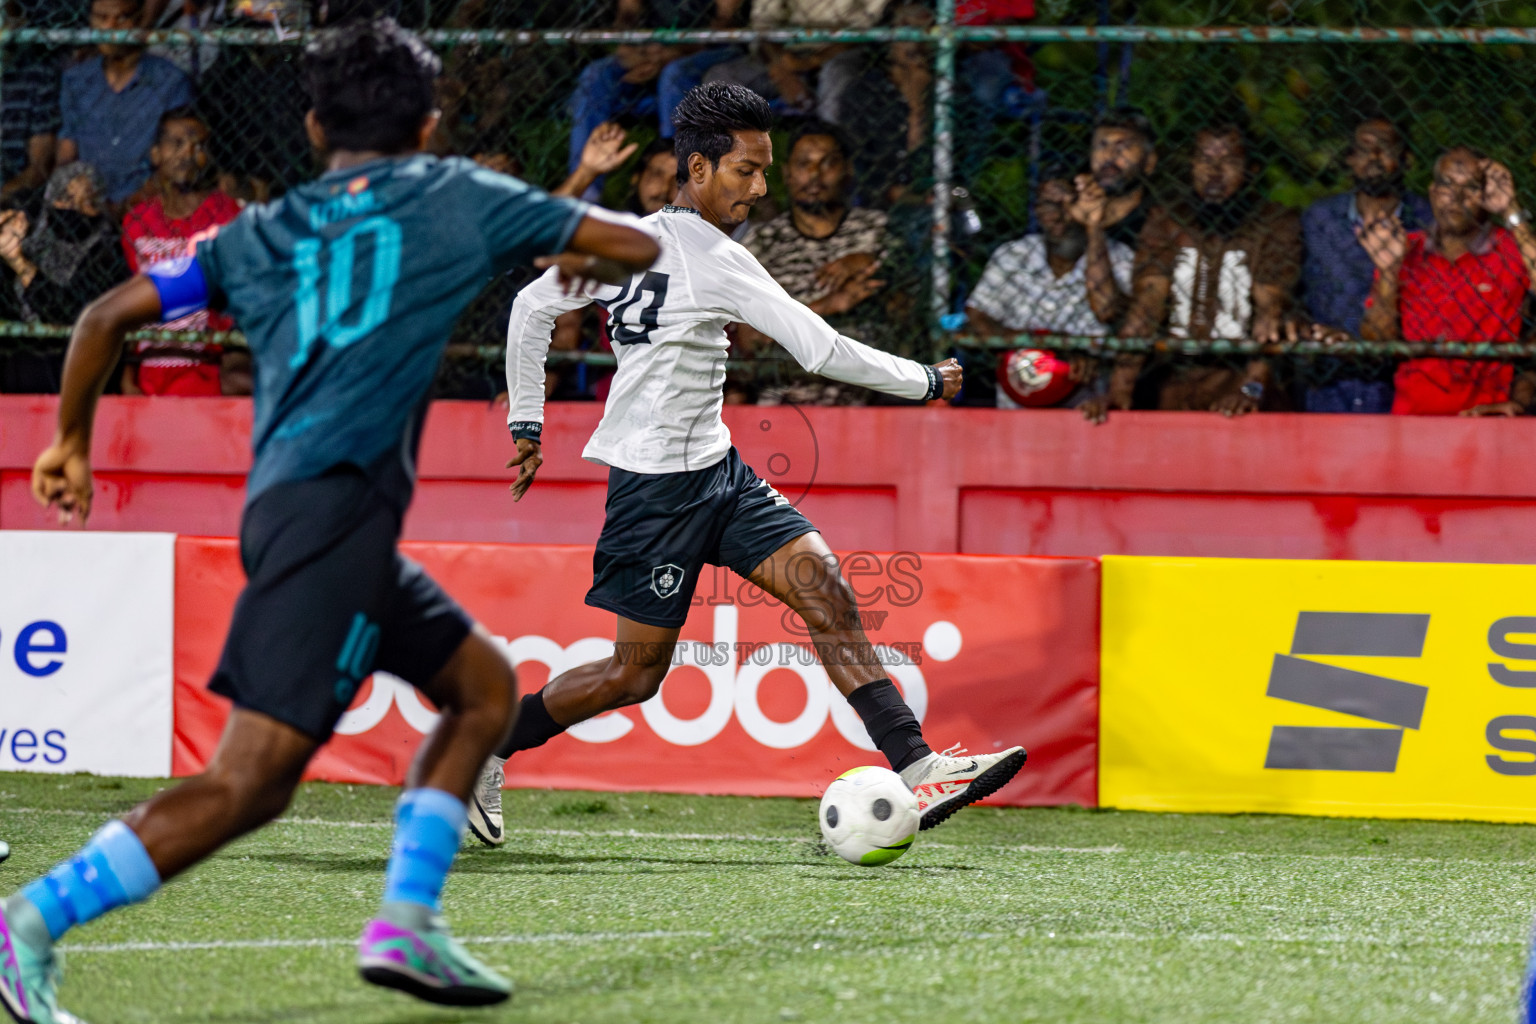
[(1337, 272), (111, 103), (180, 205), (1464, 279), (824, 252), (1221, 264), (1040, 282), (62, 259)]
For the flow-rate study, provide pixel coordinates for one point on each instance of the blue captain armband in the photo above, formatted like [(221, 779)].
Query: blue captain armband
[(183, 288)]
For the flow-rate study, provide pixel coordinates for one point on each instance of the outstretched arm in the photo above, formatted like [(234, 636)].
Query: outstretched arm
[(62, 474), (747, 294), (607, 248)]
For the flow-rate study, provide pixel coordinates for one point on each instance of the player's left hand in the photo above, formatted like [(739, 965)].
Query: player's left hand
[(61, 477), (953, 376), (528, 460)]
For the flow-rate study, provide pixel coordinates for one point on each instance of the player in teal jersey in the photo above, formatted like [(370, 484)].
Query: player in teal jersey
[(346, 289)]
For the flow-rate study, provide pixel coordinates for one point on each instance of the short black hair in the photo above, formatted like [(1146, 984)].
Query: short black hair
[(706, 117), (818, 129), (182, 113), (372, 85), (654, 150), (1128, 119)]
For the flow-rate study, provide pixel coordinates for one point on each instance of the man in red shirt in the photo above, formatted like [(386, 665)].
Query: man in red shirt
[(1464, 280), (176, 207)]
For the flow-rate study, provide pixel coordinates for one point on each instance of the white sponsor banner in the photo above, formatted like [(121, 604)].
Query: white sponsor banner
[(86, 625)]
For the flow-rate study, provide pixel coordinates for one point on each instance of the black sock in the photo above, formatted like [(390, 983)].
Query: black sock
[(534, 727), (891, 724)]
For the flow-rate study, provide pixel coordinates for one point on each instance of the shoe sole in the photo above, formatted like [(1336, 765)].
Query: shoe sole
[(456, 995), (478, 816), (981, 787)]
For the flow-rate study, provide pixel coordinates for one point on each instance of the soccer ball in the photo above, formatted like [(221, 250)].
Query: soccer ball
[(869, 816)]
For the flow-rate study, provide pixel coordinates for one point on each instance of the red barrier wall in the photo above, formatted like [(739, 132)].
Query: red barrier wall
[(1006, 652), (943, 480)]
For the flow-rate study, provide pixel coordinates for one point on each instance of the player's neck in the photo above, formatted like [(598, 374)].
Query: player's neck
[(686, 199), (342, 159)]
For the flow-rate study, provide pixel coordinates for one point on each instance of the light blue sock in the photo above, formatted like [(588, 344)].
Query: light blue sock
[(429, 825), (110, 871)]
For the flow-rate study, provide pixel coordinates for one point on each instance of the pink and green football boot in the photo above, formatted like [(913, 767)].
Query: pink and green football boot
[(408, 948)]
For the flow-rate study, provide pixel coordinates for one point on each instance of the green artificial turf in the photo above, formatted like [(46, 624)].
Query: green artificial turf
[(640, 907)]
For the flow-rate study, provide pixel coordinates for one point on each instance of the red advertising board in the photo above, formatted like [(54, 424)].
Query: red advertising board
[(990, 651)]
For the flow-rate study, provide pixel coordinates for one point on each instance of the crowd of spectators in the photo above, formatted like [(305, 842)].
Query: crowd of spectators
[(108, 165)]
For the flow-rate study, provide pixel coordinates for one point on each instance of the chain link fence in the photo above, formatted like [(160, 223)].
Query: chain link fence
[(954, 120)]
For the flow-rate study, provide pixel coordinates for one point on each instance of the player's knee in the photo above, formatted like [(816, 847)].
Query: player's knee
[(632, 684), (830, 606), (251, 798)]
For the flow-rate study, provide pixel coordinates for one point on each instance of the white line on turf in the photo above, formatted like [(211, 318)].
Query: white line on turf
[(574, 833), (727, 837), (552, 938), (479, 940)]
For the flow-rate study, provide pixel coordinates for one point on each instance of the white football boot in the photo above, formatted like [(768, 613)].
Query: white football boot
[(485, 803), (946, 782)]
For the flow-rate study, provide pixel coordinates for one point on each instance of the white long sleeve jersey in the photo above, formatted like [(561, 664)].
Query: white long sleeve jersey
[(667, 326)]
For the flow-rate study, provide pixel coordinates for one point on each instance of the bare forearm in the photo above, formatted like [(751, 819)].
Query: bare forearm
[(1525, 238), (983, 326), (1380, 321), (577, 184), (94, 347), (1105, 298)]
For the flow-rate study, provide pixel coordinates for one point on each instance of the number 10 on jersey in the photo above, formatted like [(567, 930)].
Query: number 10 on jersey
[(339, 273), (650, 283)]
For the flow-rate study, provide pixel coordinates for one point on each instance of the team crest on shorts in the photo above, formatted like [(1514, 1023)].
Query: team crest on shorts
[(667, 580)]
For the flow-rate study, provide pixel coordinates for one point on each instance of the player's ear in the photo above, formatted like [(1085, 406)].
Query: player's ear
[(428, 128), (698, 168), (315, 132)]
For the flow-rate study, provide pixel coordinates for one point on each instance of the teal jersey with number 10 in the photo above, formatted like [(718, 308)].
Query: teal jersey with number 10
[(347, 288)]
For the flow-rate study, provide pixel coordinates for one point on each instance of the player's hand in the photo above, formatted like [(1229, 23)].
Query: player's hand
[(605, 151), (61, 478), (953, 376), (528, 460), (580, 273)]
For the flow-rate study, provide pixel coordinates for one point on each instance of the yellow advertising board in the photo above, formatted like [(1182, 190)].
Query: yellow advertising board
[(1379, 689)]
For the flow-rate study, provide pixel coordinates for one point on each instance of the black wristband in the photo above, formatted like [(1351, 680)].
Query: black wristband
[(935, 384), (529, 429)]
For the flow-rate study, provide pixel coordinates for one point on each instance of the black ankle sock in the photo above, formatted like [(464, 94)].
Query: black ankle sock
[(891, 724), (534, 727)]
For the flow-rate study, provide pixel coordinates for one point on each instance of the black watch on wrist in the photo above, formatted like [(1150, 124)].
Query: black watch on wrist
[(1253, 389)]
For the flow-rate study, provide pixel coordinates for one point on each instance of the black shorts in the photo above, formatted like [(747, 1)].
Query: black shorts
[(662, 528), (327, 601)]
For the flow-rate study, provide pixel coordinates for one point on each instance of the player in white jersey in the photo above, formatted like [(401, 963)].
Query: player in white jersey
[(679, 496)]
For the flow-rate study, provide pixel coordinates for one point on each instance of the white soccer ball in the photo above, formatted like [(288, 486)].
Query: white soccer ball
[(869, 816)]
